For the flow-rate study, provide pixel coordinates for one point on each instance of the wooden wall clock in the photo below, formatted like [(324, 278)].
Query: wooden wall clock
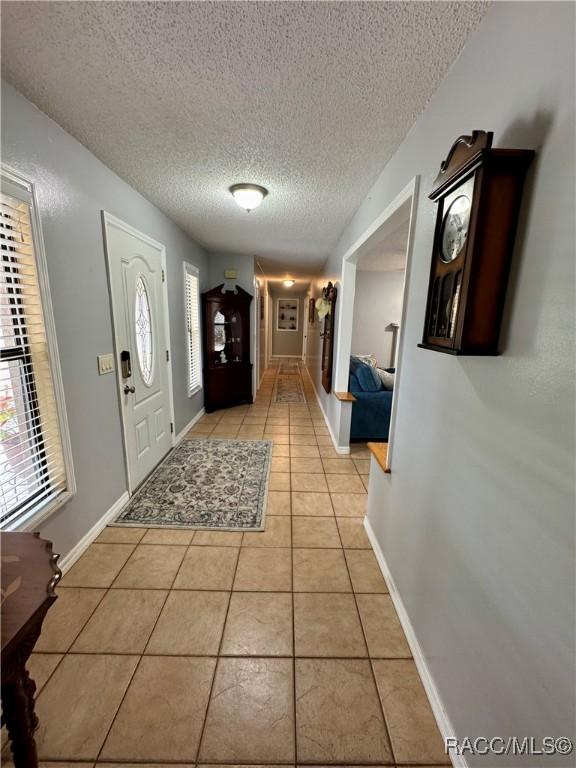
[(478, 191)]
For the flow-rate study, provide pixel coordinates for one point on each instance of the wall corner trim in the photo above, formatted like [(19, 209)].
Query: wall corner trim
[(182, 434), (70, 558), (442, 719)]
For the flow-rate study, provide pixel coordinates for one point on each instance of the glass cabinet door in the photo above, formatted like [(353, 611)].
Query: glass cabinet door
[(236, 337), (227, 344), (219, 331), (226, 338)]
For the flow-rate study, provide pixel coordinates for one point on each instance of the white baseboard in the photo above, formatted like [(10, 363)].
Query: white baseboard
[(444, 724), (344, 450), (68, 560), (180, 436)]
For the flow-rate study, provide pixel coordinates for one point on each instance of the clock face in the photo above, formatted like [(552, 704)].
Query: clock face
[(455, 228)]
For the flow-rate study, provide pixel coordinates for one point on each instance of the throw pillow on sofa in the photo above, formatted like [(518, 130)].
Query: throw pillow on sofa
[(368, 359), (368, 378), (386, 378)]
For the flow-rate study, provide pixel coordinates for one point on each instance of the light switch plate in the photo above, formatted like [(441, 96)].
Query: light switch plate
[(105, 364)]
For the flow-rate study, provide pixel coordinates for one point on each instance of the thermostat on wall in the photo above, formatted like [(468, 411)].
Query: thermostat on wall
[(230, 274)]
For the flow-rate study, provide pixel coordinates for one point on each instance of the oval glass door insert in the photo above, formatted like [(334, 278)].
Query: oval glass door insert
[(143, 329)]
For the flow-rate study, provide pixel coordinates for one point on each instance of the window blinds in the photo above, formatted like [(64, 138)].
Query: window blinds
[(193, 328), (32, 468)]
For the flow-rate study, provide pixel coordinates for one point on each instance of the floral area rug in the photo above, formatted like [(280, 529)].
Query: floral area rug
[(205, 484), (291, 368), (288, 389)]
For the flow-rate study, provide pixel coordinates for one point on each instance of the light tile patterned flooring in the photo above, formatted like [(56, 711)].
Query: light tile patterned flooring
[(280, 647)]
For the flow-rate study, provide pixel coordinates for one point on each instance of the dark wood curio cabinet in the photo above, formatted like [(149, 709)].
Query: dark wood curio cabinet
[(478, 191), (329, 294), (227, 366)]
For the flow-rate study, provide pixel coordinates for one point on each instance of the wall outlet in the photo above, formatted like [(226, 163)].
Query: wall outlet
[(105, 364)]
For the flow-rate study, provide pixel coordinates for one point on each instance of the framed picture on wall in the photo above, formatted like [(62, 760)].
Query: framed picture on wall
[(261, 306), (311, 307), (287, 314)]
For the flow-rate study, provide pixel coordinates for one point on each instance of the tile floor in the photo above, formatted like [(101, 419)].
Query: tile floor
[(272, 648)]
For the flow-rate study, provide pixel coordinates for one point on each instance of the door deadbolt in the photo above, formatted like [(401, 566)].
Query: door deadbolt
[(125, 364)]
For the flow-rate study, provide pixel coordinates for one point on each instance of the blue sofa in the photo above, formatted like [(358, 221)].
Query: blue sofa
[(371, 411)]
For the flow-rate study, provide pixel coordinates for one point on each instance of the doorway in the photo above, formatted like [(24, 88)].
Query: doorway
[(381, 256), (136, 273), (288, 318)]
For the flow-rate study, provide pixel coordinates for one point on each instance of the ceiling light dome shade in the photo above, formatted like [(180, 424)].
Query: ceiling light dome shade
[(248, 196), (289, 283)]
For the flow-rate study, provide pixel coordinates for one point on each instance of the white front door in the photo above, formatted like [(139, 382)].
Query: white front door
[(135, 267)]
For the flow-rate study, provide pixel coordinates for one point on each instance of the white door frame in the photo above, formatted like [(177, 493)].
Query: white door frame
[(109, 220), (348, 290)]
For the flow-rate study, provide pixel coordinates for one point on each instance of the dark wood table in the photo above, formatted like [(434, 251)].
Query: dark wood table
[(29, 576)]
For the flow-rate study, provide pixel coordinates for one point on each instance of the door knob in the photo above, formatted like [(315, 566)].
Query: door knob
[(129, 390)]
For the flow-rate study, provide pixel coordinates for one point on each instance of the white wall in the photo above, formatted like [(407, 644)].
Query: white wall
[(377, 302), (476, 520), (73, 187)]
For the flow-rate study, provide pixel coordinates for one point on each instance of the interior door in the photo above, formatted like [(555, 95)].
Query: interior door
[(136, 276)]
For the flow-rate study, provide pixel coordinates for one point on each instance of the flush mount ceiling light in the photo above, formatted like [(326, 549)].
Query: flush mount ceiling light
[(248, 196), (289, 283)]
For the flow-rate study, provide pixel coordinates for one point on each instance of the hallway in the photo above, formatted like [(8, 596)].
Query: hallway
[(279, 647), (340, 183)]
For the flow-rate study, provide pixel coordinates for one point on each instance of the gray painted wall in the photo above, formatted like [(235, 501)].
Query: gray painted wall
[(476, 521), (288, 342), (377, 302), (243, 264), (73, 187)]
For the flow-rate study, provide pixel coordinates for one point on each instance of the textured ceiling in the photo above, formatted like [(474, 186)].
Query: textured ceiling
[(182, 99)]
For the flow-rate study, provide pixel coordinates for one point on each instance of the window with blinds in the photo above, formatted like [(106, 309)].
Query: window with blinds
[(34, 472), (192, 298)]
